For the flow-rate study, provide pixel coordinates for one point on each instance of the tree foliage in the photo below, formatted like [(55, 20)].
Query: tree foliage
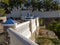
[(55, 26), (45, 5), (8, 5), (5, 1), (16, 2), (2, 12)]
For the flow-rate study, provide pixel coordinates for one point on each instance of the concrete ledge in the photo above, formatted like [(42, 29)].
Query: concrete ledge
[(20, 37)]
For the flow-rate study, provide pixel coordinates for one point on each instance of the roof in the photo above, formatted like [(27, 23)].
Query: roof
[(9, 21)]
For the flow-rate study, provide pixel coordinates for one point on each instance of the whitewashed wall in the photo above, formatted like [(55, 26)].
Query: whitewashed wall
[(22, 33), (18, 39), (24, 29), (37, 21), (33, 25)]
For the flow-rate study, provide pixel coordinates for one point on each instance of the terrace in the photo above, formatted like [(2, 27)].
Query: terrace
[(21, 31), (25, 32)]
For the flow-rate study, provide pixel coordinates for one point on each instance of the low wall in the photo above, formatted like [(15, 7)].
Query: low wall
[(27, 30), (18, 39), (24, 29)]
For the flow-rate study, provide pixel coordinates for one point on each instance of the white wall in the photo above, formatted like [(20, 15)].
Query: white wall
[(37, 19), (18, 39), (24, 29), (33, 25), (22, 33)]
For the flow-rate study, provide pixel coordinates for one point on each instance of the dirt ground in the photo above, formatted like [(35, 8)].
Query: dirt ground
[(2, 36), (1, 28)]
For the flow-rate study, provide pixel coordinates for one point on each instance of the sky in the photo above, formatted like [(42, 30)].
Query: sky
[(59, 0)]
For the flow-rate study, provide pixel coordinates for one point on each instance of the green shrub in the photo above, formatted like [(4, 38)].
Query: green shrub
[(47, 41), (2, 12), (55, 26), (41, 21), (44, 41)]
